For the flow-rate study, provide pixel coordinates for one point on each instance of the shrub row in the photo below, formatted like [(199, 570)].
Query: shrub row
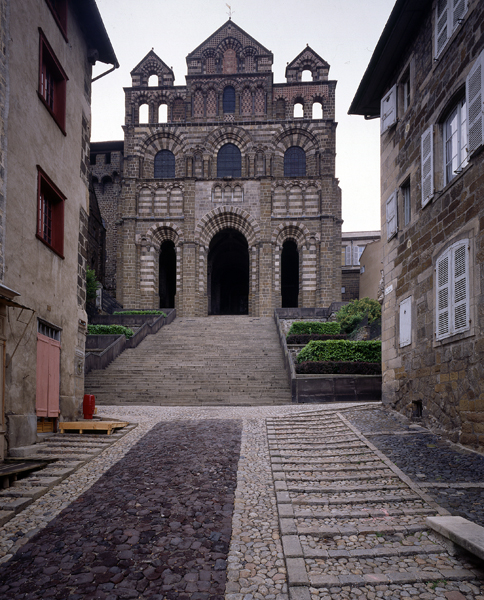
[(305, 339), (139, 312), (342, 351), (309, 327), (353, 314), (338, 368), (110, 330)]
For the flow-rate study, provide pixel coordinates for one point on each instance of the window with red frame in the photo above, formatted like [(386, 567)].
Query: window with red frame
[(52, 83), (59, 12), (50, 213)]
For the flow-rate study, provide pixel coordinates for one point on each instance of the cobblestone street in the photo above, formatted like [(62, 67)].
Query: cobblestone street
[(276, 502)]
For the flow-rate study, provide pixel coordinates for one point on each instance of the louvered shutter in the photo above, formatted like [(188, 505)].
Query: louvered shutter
[(442, 32), (442, 301), (356, 255), (406, 322), (427, 160), (459, 9), (348, 255), (388, 109), (460, 288), (392, 224), (474, 104)]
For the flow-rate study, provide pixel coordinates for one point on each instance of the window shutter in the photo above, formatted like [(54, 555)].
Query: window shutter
[(392, 224), (427, 160), (460, 288), (406, 322), (388, 109), (442, 33), (459, 9), (348, 255), (474, 104), (356, 255), (442, 301)]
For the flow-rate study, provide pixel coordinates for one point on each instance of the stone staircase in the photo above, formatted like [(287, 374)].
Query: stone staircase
[(203, 361)]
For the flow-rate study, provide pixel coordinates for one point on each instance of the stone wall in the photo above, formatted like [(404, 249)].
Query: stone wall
[(442, 379)]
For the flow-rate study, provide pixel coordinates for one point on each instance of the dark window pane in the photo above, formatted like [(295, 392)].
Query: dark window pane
[(164, 165), (229, 99), (229, 161), (295, 162)]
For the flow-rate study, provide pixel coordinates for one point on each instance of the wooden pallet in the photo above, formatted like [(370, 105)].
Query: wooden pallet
[(86, 426)]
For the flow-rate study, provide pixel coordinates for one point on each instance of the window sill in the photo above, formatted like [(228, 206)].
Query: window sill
[(59, 254)]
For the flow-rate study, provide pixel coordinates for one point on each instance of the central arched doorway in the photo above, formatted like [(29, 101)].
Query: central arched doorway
[(167, 275), (228, 274)]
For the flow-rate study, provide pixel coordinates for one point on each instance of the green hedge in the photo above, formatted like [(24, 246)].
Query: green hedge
[(139, 312), (308, 327), (338, 368), (306, 338), (110, 330), (351, 315), (342, 351)]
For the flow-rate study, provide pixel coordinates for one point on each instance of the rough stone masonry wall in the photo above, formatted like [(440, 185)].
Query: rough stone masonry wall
[(445, 378), (3, 132)]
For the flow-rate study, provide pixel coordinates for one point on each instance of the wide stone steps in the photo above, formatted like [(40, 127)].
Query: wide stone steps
[(209, 361), (349, 518)]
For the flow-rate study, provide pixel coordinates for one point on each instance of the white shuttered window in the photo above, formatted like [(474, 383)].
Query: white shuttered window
[(452, 291), (427, 165), (474, 104), (448, 16), (406, 322), (392, 223), (388, 109)]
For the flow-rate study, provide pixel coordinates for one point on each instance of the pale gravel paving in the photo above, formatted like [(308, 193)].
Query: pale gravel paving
[(256, 562)]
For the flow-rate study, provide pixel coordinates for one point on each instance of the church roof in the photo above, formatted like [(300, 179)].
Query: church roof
[(228, 30)]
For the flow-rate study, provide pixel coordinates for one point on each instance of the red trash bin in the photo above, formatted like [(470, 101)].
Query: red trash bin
[(88, 405)]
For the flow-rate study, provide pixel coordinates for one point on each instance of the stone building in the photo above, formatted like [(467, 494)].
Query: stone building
[(47, 52), (425, 81), (228, 201), (352, 247)]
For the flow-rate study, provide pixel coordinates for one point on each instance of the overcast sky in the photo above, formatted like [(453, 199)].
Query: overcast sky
[(343, 32)]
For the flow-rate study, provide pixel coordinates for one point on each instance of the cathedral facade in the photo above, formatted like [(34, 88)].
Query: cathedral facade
[(224, 198)]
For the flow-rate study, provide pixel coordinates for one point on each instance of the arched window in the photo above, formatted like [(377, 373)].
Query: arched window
[(229, 99), (164, 165), (163, 113), (298, 109), (306, 75), (295, 162), (144, 113), (229, 161), (153, 80), (317, 110)]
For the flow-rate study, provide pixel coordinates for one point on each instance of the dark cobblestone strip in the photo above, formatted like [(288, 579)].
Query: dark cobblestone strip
[(157, 525), (428, 459)]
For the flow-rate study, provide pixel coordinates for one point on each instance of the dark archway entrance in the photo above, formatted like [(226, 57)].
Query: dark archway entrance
[(228, 274), (290, 274), (167, 276)]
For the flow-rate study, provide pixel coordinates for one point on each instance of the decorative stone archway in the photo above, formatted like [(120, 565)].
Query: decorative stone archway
[(236, 232)]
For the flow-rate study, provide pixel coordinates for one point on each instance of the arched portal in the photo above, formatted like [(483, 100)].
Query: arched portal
[(228, 274), (167, 279), (290, 274)]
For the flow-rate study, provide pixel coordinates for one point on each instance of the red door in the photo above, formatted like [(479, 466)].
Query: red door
[(48, 376)]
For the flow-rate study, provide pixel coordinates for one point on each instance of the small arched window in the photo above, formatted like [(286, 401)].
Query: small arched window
[(295, 162), (164, 165), (229, 161), (229, 99)]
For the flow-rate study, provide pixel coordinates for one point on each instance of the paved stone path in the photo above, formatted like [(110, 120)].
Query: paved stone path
[(318, 513)]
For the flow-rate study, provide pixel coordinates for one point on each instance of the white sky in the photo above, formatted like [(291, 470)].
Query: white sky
[(343, 32)]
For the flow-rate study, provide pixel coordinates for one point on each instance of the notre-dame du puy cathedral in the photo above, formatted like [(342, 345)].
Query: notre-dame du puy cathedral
[(222, 199)]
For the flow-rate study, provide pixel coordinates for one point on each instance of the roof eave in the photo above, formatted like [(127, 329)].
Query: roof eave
[(94, 31), (404, 20)]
